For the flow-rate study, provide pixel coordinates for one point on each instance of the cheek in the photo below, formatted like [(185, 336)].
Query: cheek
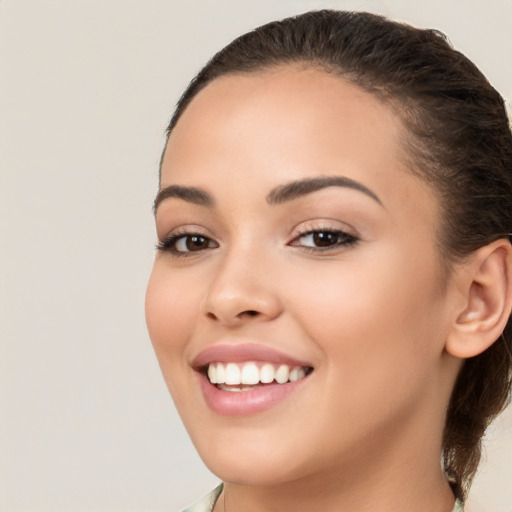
[(171, 308), (376, 321)]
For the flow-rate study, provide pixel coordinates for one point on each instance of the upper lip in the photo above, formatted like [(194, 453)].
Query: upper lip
[(239, 353)]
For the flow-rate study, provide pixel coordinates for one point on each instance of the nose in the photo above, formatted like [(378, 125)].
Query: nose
[(243, 290)]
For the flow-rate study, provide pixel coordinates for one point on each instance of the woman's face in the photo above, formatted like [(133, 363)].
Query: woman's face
[(294, 239)]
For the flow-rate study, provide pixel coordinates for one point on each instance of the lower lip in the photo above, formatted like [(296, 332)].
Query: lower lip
[(244, 403)]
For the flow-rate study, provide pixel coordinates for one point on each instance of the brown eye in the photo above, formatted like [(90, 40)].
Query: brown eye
[(182, 245), (192, 243), (324, 239), (196, 242)]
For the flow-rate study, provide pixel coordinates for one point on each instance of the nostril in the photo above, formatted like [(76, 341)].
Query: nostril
[(250, 313)]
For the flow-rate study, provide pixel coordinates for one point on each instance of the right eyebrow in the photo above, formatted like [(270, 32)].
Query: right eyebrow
[(190, 194)]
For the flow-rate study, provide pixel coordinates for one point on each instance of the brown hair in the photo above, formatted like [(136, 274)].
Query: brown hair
[(460, 142)]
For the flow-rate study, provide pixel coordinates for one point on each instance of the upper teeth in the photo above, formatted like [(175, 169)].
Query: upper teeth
[(251, 373)]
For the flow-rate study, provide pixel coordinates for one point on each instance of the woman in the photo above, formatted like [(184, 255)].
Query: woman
[(331, 294)]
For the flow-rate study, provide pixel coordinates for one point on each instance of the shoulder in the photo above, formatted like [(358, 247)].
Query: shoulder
[(207, 503)]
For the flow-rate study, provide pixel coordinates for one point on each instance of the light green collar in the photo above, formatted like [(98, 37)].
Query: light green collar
[(208, 502)]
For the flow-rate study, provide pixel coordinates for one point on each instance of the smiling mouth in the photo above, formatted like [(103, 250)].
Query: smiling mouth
[(250, 375)]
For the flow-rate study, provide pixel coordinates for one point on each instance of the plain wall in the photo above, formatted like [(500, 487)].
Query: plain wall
[(86, 90)]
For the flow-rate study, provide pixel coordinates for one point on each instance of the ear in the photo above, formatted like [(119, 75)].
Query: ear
[(485, 281)]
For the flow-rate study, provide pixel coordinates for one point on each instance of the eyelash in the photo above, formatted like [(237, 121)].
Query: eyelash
[(168, 244), (344, 239)]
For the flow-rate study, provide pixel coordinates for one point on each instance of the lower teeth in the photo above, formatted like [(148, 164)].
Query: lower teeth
[(235, 389)]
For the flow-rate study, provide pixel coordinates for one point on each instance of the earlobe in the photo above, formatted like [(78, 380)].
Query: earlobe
[(486, 282)]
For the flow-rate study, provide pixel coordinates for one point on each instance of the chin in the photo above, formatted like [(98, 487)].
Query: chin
[(254, 473), (251, 463)]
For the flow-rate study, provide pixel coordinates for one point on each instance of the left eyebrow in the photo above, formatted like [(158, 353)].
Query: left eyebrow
[(296, 189)]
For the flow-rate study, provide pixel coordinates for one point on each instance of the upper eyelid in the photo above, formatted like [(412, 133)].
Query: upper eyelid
[(185, 229), (313, 225), (301, 229)]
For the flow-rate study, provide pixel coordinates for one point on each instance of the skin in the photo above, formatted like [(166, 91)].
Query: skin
[(372, 318)]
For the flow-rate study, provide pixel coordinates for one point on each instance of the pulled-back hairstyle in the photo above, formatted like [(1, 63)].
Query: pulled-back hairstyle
[(458, 140)]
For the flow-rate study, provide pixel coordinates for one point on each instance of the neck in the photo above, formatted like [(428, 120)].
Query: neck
[(331, 495), (405, 475)]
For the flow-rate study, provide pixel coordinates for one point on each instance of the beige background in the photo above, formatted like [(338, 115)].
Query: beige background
[(86, 89)]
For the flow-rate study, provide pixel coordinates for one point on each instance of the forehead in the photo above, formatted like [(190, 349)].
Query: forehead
[(287, 108), (287, 124)]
